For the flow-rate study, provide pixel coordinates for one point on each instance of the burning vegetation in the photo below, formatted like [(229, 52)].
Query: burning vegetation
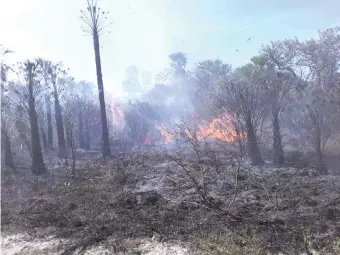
[(211, 160)]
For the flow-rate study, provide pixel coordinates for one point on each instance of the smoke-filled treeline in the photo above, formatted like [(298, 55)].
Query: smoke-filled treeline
[(287, 96)]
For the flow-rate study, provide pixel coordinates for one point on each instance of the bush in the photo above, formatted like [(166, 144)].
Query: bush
[(297, 159)]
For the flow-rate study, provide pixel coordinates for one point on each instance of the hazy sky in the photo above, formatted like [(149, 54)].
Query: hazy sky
[(145, 32)]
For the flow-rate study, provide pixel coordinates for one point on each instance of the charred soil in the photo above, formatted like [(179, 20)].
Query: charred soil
[(145, 204)]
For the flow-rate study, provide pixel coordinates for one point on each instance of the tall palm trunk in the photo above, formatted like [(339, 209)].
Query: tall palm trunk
[(105, 132), (278, 158), (38, 166), (59, 124), (49, 122), (253, 147)]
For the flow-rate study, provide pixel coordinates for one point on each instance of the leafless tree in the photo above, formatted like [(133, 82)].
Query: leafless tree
[(58, 80), (201, 165), (94, 19), (47, 67), (243, 96), (71, 130)]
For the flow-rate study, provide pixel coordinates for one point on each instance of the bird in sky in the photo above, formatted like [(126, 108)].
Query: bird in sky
[(249, 39)]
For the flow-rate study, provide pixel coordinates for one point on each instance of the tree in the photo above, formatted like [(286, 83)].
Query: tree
[(80, 110), (5, 113), (46, 69), (94, 19), (57, 84), (241, 95), (203, 78), (178, 62), (278, 85), (315, 65), (29, 97), (71, 131)]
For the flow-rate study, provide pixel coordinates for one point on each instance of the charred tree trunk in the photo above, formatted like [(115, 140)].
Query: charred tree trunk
[(87, 134), (315, 117), (49, 122), (81, 130), (239, 137), (105, 132), (59, 124), (253, 147), (320, 162), (38, 166), (278, 158), (43, 136), (6, 145), (22, 134)]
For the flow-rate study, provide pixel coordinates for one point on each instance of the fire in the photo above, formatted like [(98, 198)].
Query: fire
[(167, 137), (221, 129)]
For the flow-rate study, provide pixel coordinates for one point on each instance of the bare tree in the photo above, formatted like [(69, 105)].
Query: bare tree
[(201, 165), (46, 71), (58, 84), (94, 19), (5, 113), (6, 122), (243, 96), (71, 132)]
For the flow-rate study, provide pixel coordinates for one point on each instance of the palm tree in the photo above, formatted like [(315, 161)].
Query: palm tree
[(94, 19)]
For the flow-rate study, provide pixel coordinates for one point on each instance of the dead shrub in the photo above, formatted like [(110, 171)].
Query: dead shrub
[(297, 159), (204, 169)]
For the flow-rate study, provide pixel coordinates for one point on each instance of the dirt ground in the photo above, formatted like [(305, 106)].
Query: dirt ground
[(144, 203)]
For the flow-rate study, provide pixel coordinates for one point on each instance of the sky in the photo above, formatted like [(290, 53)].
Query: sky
[(145, 32)]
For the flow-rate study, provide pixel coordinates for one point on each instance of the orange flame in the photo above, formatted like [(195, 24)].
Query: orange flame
[(220, 128), (167, 137)]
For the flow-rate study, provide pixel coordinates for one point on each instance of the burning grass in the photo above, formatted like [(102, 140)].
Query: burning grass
[(144, 202)]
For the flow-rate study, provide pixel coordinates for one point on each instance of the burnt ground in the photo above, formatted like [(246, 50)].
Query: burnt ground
[(145, 204)]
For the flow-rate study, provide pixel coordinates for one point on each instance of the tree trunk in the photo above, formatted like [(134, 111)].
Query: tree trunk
[(6, 145), (87, 134), (253, 147), (81, 130), (239, 137), (38, 166), (105, 132), (43, 136), (49, 122), (278, 158), (59, 124), (320, 163)]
